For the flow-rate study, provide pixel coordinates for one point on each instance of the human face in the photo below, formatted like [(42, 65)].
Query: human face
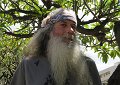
[(65, 29)]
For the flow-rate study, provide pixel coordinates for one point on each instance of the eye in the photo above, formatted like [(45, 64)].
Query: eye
[(63, 24), (73, 26)]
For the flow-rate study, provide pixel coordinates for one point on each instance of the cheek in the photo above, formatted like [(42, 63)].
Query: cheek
[(58, 32)]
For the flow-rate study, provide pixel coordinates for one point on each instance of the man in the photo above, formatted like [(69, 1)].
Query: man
[(54, 57)]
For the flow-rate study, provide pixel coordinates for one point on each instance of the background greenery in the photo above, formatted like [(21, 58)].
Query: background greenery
[(20, 19)]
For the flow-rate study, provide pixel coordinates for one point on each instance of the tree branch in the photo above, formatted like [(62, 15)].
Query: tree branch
[(19, 35), (49, 3), (28, 3), (25, 17), (91, 11), (14, 4), (83, 30), (35, 3), (95, 20), (18, 10)]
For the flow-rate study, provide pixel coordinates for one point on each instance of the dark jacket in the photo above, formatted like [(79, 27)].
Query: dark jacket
[(37, 71), (115, 77)]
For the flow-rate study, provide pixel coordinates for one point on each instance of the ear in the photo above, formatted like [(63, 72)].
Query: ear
[(45, 21)]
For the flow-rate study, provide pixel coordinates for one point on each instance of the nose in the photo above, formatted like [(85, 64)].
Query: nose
[(70, 30)]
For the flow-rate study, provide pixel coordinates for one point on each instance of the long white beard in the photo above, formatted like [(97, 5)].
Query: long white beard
[(66, 57)]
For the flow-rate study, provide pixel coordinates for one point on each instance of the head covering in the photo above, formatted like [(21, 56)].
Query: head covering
[(58, 15)]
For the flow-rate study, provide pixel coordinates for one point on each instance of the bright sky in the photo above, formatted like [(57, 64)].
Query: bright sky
[(100, 65)]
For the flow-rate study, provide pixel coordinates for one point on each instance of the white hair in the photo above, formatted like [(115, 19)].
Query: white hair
[(37, 46), (64, 58)]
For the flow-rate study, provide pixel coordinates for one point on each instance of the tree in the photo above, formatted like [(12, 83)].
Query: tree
[(20, 19)]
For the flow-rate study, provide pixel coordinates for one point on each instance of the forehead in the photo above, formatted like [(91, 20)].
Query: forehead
[(67, 22)]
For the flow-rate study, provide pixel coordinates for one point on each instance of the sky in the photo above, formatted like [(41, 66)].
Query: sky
[(100, 65)]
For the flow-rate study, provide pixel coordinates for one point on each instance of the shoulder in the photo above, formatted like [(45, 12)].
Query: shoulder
[(90, 62), (88, 59), (93, 71), (35, 61)]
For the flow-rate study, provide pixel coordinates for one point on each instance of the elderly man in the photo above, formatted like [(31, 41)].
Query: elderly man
[(54, 57)]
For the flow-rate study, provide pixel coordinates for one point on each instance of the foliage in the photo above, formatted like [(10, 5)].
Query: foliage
[(19, 20), (10, 56)]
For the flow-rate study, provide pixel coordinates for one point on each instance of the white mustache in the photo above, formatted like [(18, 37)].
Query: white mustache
[(69, 37)]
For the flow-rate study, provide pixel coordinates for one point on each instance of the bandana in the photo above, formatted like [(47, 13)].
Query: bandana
[(61, 17), (67, 15)]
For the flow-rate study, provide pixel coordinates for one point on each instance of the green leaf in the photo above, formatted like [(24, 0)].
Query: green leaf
[(104, 57)]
